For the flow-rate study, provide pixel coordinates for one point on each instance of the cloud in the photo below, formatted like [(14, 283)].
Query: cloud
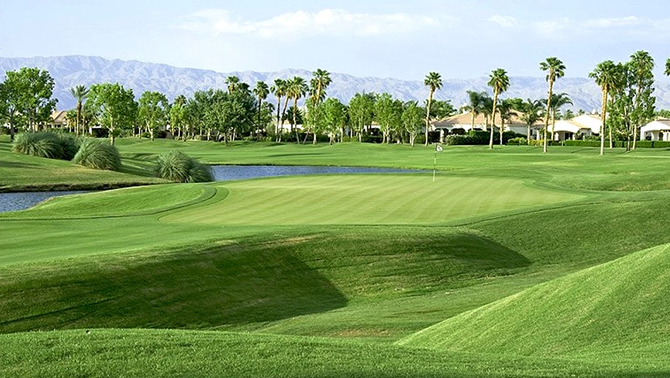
[(327, 21), (504, 21)]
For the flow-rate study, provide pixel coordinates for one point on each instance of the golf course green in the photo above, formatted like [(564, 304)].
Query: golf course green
[(511, 263)]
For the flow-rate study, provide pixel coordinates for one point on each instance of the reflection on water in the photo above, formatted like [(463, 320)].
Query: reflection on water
[(24, 200)]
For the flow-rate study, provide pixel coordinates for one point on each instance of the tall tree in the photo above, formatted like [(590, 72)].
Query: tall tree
[(334, 117), (153, 111), (115, 105), (475, 105), (388, 113), (361, 112), (261, 90), (641, 66), (177, 115), (557, 101), (434, 82), (555, 70), (667, 67), (79, 92), (530, 113), (233, 83), (279, 89), (297, 89), (605, 75), (412, 120), (27, 96), (499, 81), (319, 83), (506, 110)]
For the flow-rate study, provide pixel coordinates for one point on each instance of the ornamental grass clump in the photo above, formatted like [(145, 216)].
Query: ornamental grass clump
[(98, 155), (47, 145), (179, 167)]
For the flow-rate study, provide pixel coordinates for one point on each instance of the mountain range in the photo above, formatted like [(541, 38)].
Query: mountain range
[(69, 71)]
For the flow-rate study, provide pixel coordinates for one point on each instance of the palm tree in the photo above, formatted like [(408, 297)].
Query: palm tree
[(557, 101), (433, 81), (279, 89), (80, 92), (530, 113), (297, 88), (319, 83), (605, 76), (556, 70), (261, 91), (233, 82), (505, 108), (499, 81), (643, 64), (475, 105)]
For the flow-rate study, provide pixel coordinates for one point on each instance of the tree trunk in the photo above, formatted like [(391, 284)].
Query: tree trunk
[(546, 117), (493, 117), (502, 128), (528, 135), (472, 123), (602, 128), (430, 102)]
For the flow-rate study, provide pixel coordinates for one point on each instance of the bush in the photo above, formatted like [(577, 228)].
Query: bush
[(98, 155), (178, 167), (47, 145), (518, 141)]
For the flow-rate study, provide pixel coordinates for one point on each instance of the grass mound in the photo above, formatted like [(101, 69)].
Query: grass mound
[(611, 311), (98, 155), (179, 167), (47, 145)]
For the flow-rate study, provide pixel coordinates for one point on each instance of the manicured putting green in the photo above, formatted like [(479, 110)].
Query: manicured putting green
[(367, 199)]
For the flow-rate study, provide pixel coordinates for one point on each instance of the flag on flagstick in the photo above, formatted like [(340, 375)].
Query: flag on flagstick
[(438, 148)]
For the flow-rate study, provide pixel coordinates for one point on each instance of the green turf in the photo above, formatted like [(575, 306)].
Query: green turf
[(612, 311), (360, 261), (170, 353)]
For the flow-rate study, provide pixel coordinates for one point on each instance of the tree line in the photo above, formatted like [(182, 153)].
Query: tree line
[(226, 114)]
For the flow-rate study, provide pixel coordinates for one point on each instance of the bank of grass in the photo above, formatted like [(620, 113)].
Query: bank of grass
[(612, 311), (19, 172)]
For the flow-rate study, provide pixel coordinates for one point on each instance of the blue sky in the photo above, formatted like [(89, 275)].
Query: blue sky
[(400, 39)]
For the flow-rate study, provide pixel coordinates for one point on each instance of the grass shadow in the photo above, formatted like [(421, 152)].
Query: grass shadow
[(226, 285)]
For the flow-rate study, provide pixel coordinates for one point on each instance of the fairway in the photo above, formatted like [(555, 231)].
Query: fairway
[(367, 199), (510, 264)]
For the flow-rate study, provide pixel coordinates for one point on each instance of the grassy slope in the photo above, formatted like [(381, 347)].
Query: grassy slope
[(104, 353), (617, 311), (24, 172)]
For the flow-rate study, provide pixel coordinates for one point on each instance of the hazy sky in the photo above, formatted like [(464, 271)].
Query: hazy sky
[(400, 39)]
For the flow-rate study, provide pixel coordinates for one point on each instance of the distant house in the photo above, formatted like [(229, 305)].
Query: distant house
[(577, 127), (58, 119), (656, 130), (464, 121)]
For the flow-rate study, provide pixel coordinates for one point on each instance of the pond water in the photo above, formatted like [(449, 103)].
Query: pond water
[(24, 200)]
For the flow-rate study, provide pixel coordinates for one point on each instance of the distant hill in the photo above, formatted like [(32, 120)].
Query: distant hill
[(69, 71)]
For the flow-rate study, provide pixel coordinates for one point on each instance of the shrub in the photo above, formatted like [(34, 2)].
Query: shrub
[(47, 145), (178, 167), (98, 155), (518, 141)]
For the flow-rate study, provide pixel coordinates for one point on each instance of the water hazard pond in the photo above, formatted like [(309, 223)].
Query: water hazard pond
[(24, 200)]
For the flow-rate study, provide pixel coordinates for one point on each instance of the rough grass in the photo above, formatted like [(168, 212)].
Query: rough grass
[(178, 167), (98, 155), (607, 311), (47, 145)]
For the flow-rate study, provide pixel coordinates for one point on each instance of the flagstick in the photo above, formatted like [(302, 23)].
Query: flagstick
[(434, 164)]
